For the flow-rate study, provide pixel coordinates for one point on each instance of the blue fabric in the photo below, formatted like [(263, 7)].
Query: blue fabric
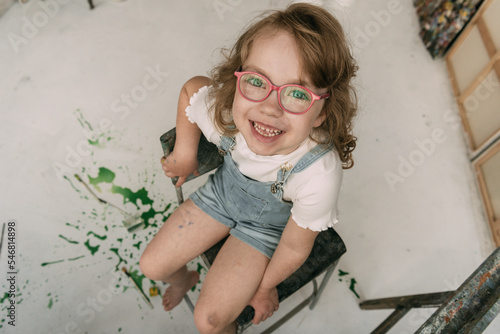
[(253, 210)]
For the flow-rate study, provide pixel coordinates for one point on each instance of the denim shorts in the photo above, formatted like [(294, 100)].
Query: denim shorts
[(248, 207)]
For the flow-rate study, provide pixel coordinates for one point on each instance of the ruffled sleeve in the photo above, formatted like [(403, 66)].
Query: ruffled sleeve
[(315, 192), (197, 112)]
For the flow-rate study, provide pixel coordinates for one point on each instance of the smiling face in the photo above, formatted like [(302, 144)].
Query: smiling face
[(266, 127)]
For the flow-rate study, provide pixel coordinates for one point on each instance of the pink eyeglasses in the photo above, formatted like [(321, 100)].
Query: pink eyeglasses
[(292, 98)]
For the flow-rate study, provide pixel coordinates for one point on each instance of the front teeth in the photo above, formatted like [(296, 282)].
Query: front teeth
[(266, 132)]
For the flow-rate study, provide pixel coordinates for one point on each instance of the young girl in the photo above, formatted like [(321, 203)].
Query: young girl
[(280, 109)]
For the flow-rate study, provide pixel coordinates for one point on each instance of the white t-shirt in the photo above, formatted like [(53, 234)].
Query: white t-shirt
[(314, 191)]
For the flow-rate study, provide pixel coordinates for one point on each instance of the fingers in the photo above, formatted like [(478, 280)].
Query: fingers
[(258, 318), (180, 181)]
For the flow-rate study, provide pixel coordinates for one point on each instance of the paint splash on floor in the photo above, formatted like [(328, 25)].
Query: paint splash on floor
[(98, 232), (350, 280)]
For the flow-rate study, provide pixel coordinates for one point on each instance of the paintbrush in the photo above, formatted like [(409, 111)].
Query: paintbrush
[(132, 223), (146, 299)]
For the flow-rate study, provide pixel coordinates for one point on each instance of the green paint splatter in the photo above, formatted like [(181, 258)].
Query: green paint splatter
[(94, 137), (47, 263), (5, 296), (76, 258), (75, 226), (342, 273), (50, 303), (72, 185), (132, 197), (70, 241), (200, 268), (137, 277), (103, 237), (104, 176), (129, 196), (92, 249), (137, 245), (351, 287), (115, 250)]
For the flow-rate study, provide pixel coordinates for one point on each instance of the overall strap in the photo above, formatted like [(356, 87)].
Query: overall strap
[(226, 144), (286, 170)]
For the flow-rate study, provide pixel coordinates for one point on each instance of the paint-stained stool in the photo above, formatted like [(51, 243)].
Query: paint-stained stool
[(326, 252)]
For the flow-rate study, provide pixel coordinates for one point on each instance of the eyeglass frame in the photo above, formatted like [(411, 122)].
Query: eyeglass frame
[(315, 97)]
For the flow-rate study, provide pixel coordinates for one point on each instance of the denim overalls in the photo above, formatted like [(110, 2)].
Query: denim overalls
[(255, 211)]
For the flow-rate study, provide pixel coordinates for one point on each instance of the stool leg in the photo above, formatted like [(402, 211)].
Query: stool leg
[(189, 303), (322, 286)]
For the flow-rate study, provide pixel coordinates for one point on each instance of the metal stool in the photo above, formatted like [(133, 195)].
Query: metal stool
[(327, 250)]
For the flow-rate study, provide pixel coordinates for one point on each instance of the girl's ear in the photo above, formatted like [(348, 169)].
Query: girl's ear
[(320, 119)]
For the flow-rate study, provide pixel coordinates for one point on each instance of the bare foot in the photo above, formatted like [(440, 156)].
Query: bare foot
[(174, 293)]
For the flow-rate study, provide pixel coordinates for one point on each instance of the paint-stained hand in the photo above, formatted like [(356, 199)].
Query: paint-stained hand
[(177, 165), (265, 302)]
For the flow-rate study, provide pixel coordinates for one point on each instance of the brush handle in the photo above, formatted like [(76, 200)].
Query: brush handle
[(144, 297), (97, 197)]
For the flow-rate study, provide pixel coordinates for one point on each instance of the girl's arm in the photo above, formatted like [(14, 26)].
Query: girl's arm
[(183, 160), (293, 249)]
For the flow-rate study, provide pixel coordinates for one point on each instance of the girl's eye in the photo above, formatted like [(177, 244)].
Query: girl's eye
[(255, 81), (299, 94)]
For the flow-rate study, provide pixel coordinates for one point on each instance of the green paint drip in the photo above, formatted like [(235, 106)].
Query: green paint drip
[(92, 249), (47, 263), (50, 303), (351, 287), (70, 241), (115, 250), (76, 258), (103, 237)]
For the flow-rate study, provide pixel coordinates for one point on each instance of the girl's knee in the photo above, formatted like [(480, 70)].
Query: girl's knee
[(209, 320), (152, 269)]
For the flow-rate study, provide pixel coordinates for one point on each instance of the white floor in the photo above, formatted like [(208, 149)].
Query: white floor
[(410, 210)]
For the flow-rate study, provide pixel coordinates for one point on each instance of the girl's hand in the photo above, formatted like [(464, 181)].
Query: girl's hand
[(265, 302), (176, 165)]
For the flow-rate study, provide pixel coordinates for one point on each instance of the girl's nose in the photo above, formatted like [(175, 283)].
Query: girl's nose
[(270, 106)]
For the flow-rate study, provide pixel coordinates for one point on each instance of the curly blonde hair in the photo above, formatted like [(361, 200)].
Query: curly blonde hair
[(325, 58)]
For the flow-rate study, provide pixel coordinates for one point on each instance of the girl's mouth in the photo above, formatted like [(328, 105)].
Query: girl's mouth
[(266, 131)]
